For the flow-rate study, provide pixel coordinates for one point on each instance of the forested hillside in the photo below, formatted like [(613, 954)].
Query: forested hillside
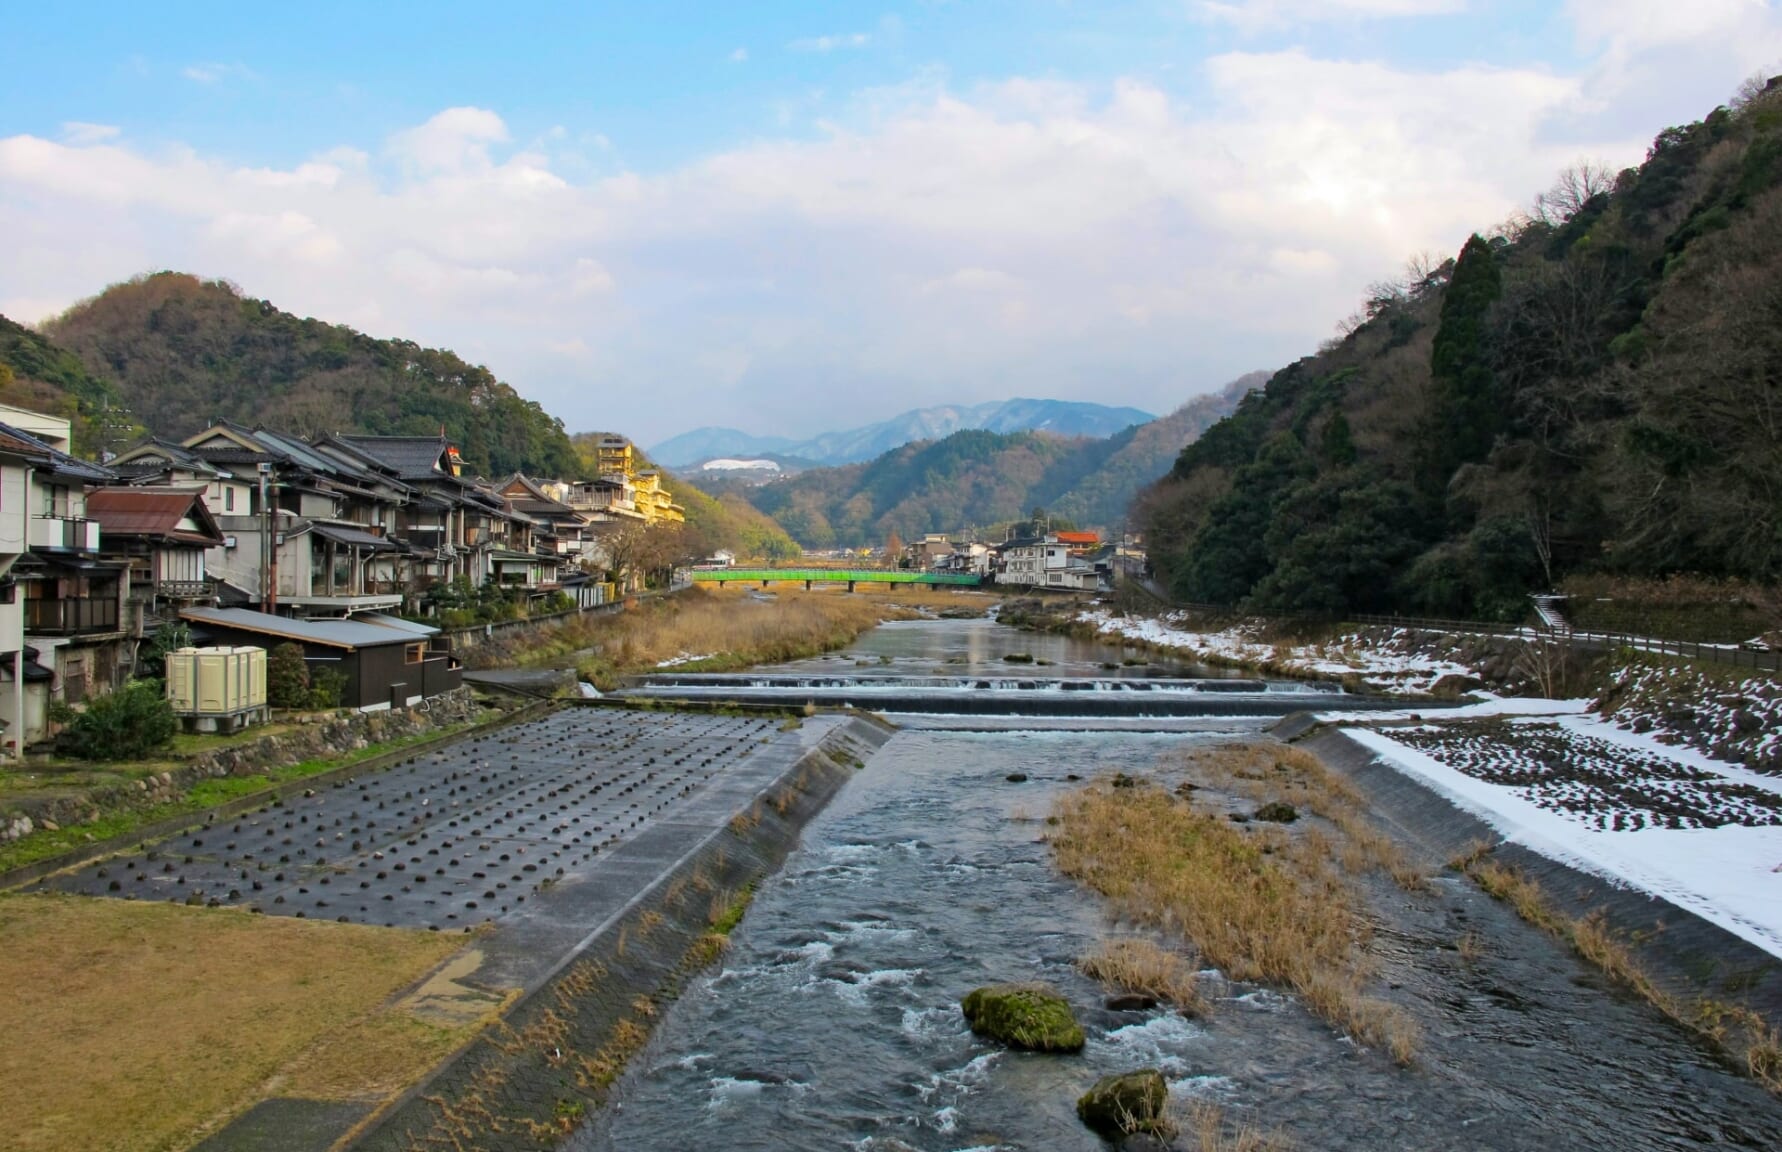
[(1594, 387), (979, 478), (38, 375), (181, 351)]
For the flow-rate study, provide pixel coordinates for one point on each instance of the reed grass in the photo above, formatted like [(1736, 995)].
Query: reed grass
[(721, 630), (1258, 903), (1208, 1129), (1135, 964)]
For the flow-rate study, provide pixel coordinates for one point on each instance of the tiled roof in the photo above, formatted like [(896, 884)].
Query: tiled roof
[(59, 462), (412, 457)]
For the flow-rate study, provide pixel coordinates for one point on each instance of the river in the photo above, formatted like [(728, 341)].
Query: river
[(832, 1022)]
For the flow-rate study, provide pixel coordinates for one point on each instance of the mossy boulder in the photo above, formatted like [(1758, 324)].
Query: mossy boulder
[(1122, 1105), (1277, 812), (1029, 1016)]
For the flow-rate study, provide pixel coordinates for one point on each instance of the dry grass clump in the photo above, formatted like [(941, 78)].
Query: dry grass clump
[(137, 1025), (1743, 1034), (1209, 1130), (1257, 903), (1134, 964), (1269, 773), (724, 629)]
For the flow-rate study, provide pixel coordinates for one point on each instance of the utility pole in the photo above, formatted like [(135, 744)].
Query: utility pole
[(268, 543)]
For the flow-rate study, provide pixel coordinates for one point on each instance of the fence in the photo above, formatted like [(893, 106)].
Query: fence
[(1733, 655)]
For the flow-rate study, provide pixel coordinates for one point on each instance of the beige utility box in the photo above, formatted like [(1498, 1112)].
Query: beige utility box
[(217, 689)]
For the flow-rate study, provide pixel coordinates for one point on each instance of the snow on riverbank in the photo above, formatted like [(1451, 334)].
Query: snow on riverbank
[(1382, 669), (1703, 834)]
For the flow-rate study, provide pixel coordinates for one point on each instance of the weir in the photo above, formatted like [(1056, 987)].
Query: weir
[(1107, 697)]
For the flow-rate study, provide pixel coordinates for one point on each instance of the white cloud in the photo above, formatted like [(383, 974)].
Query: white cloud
[(739, 55), (1256, 15), (973, 280), (455, 139), (81, 134), (212, 72), (925, 245), (829, 43)]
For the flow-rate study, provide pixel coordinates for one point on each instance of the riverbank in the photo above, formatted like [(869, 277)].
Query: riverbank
[(1370, 660), (723, 629), (1654, 866)]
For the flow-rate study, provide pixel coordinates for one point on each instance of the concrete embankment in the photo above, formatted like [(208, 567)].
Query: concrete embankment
[(1689, 959), (602, 953)]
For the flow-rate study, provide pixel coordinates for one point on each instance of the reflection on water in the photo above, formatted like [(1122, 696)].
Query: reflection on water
[(978, 648), (833, 1022)]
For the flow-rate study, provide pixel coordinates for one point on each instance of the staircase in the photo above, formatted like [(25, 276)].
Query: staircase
[(1547, 608)]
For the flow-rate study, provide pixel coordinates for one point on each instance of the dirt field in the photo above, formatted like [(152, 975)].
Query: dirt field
[(140, 1026)]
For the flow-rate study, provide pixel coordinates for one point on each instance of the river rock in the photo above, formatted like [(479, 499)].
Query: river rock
[(1030, 1016), (1130, 1002), (1123, 1104)]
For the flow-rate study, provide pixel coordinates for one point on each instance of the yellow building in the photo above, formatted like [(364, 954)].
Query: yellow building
[(614, 456), (617, 460), (654, 501)]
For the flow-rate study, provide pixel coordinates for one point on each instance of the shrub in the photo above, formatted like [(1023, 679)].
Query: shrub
[(287, 677), (169, 637), (129, 724), (326, 687)]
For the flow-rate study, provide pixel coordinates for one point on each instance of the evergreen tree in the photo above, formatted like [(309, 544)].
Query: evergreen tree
[(1467, 411)]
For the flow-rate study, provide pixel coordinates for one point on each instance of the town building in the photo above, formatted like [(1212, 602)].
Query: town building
[(159, 537), (1046, 562), (388, 662)]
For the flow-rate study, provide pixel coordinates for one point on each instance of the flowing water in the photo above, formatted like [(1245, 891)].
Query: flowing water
[(833, 1022)]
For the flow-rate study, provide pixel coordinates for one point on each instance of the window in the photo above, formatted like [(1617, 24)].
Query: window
[(416, 653), (229, 498)]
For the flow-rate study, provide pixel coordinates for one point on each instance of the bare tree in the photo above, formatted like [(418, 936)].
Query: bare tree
[(631, 550), (1761, 87), (1575, 186)]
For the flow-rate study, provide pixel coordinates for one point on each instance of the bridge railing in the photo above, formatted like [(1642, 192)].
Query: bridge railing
[(832, 576)]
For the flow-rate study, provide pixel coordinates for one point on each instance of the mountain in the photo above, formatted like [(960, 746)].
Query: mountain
[(979, 477), (702, 444), (175, 348), (1059, 417), (1589, 391), (180, 351)]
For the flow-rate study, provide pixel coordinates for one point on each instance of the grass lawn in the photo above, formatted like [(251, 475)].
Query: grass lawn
[(143, 1026)]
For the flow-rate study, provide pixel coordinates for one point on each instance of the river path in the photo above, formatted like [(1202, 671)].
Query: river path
[(833, 1023)]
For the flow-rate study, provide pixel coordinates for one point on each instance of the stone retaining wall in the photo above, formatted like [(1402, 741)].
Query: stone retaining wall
[(315, 736)]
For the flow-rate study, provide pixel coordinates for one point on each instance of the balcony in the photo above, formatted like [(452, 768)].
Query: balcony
[(64, 534), (185, 590), (74, 617)]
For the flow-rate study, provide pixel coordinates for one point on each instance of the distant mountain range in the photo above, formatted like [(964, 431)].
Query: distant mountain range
[(1067, 418), (979, 477)]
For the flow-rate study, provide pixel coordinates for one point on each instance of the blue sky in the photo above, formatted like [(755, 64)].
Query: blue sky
[(792, 217)]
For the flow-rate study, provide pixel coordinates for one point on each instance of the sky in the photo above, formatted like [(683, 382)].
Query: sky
[(792, 218)]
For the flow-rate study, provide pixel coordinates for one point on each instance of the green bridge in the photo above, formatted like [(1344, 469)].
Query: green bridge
[(848, 576)]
